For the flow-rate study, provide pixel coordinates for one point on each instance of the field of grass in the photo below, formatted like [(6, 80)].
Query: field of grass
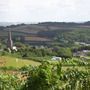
[(6, 61)]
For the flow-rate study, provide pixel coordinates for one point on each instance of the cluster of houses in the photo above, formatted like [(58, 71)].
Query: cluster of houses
[(82, 43), (81, 53)]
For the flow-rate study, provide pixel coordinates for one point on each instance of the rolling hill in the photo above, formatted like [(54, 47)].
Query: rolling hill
[(49, 32)]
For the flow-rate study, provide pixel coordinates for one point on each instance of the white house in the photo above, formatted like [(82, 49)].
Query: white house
[(14, 48), (56, 58)]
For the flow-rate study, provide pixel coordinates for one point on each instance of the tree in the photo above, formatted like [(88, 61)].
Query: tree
[(45, 77), (64, 52)]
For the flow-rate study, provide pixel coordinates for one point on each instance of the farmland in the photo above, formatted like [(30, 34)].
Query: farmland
[(7, 61)]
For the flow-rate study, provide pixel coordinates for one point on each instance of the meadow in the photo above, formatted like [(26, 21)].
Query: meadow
[(7, 61)]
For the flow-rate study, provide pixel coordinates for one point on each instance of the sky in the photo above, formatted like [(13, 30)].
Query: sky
[(44, 10)]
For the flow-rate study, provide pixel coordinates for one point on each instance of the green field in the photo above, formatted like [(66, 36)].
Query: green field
[(6, 61)]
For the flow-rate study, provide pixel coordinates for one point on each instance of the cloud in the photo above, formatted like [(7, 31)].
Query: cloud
[(44, 10)]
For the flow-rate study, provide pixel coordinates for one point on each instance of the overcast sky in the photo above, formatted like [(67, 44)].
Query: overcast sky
[(44, 10)]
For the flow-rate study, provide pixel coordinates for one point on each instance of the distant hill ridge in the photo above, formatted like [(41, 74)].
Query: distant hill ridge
[(61, 31), (46, 23)]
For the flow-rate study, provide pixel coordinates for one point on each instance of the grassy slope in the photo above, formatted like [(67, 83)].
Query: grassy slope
[(15, 62)]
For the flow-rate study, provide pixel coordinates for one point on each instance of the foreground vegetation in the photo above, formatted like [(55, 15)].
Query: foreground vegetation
[(47, 76)]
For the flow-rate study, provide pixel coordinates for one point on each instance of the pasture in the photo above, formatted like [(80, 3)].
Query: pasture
[(7, 61)]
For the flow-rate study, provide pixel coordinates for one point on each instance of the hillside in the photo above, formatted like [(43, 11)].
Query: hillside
[(49, 32)]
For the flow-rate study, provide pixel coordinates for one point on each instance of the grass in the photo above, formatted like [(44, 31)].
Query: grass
[(8, 61), (80, 68)]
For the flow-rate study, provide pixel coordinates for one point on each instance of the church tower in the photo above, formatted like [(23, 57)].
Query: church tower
[(10, 42)]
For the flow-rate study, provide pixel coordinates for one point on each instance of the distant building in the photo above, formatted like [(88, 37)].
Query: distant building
[(54, 58), (14, 48), (81, 53), (82, 43)]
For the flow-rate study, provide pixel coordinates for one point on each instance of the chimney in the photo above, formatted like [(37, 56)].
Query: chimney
[(10, 42)]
